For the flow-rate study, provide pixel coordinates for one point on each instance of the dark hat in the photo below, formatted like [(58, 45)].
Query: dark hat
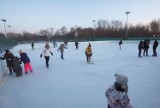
[(89, 45), (7, 51)]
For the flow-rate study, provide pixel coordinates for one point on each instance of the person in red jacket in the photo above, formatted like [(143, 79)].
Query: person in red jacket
[(25, 59)]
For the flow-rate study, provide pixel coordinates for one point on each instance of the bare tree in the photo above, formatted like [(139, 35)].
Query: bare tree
[(155, 26)]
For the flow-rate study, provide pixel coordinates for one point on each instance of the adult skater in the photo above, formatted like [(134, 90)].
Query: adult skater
[(61, 48), (46, 52), (155, 45), (145, 47), (25, 59), (116, 94), (32, 45), (76, 44), (140, 47), (54, 43), (120, 44), (88, 53), (8, 56)]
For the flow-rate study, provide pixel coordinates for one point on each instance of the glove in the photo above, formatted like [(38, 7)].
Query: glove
[(51, 53), (41, 55)]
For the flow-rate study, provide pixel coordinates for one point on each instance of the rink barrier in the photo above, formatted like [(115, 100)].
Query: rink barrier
[(3, 70), (3, 67), (4, 76)]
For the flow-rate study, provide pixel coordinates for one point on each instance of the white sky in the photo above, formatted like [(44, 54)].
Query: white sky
[(33, 15), (72, 83)]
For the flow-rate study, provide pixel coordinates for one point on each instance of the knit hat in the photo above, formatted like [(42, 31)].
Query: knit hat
[(7, 51), (121, 79)]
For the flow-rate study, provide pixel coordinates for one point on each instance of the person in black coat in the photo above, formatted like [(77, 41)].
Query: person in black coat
[(76, 44), (120, 43), (8, 56), (17, 68), (32, 44), (155, 45), (140, 47), (145, 47)]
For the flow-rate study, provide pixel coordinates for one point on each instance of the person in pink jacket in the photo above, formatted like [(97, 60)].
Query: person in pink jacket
[(117, 96)]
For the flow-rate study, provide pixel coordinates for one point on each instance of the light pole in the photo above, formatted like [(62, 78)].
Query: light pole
[(4, 20), (128, 12), (94, 30), (51, 31), (76, 32), (9, 26)]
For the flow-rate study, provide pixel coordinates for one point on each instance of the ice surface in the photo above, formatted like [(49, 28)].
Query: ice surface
[(73, 83)]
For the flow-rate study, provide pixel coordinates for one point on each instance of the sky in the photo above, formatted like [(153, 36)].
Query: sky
[(73, 83), (34, 15)]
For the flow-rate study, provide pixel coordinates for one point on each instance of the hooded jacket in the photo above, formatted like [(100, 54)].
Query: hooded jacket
[(117, 98), (24, 58)]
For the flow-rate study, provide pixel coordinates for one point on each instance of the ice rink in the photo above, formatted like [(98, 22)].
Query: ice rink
[(73, 83)]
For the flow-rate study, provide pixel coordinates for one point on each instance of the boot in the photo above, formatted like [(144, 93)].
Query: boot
[(10, 71)]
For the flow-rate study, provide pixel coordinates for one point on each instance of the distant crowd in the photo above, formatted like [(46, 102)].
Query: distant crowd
[(144, 46)]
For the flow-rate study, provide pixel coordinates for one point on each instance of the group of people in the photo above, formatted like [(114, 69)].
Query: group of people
[(46, 52), (14, 62), (144, 46)]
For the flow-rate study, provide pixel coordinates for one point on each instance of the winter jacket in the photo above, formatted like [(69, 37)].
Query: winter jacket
[(146, 44), (61, 48), (46, 52), (9, 58), (155, 45), (117, 99), (24, 58), (88, 51), (16, 64), (140, 45), (76, 43), (120, 42)]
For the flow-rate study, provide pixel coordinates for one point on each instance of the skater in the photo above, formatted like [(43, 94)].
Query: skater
[(32, 45), (155, 45), (46, 52), (8, 56), (120, 43), (88, 53), (25, 59), (17, 68), (140, 47), (54, 43), (145, 47), (76, 44), (116, 94), (61, 48), (65, 42)]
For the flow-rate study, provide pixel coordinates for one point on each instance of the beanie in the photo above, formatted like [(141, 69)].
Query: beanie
[(121, 79), (7, 51)]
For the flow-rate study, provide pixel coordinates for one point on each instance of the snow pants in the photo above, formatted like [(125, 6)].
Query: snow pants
[(27, 66)]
